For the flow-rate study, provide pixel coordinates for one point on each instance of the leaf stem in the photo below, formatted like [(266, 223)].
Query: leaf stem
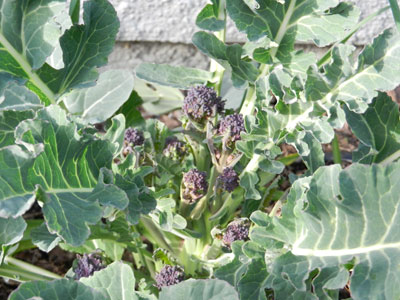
[(337, 157), (396, 13)]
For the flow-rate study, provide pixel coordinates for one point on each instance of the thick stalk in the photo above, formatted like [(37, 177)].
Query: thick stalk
[(337, 157), (22, 271), (396, 13)]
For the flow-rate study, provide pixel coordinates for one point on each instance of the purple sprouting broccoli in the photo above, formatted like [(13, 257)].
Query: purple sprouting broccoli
[(232, 125), (229, 179), (195, 185), (236, 231), (86, 265), (134, 137), (174, 148), (169, 276), (202, 103)]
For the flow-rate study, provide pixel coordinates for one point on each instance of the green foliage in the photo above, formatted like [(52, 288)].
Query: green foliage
[(64, 145)]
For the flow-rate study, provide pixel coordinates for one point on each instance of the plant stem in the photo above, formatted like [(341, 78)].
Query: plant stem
[(22, 271), (337, 158), (396, 13)]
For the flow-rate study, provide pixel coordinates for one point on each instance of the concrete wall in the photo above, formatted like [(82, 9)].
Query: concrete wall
[(160, 31)]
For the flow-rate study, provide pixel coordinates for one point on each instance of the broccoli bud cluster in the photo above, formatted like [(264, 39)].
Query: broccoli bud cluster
[(236, 231), (195, 184), (169, 276), (174, 148), (86, 265), (232, 125), (201, 103), (229, 179), (134, 137)]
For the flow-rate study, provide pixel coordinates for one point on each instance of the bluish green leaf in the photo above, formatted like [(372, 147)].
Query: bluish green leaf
[(208, 17), (294, 20), (116, 281), (9, 120), (356, 84), (57, 289), (173, 76), (378, 130), (43, 239), (60, 169), (206, 289), (228, 56), (11, 230), (97, 103)]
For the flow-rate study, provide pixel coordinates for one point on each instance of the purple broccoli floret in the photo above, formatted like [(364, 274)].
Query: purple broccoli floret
[(169, 276), (174, 148), (201, 103), (229, 179), (134, 137), (232, 125), (86, 265), (236, 231), (195, 184)]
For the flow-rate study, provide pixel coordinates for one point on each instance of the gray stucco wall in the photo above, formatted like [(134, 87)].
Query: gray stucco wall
[(160, 31)]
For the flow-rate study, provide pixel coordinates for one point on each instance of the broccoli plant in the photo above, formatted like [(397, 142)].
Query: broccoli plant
[(210, 209)]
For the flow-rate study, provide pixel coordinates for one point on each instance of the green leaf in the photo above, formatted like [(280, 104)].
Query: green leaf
[(252, 285), (116, 281), (233, 271), (60, 169), (11, 230), (208, 18), (85, 47), (309, 148), (158, 99), (130, 110), (208, 289), (294, 20), (97, 103), (43, 239), (378, 130), (57, 289), (228, 56), (26, 40), (356, 84), (315, 225), (15, 96), (9, 120), (177, 77)]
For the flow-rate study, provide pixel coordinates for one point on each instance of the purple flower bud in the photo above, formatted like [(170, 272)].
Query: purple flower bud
[(174, 148), (236, 231), (232, 125), (87, 265), (229, 179), (195, 183), (134, 137), (169, 276), (200, 103)]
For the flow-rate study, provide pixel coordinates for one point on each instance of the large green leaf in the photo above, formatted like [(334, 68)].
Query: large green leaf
[(286, 22), (212, 16), (330, 218), (357, 84), (210, 289), (378, 130), (60, 168), (177, 77), (11, 230), (228, 56), (9, 120), (30, 30), (57, 289), (98, 103), (116, 281)]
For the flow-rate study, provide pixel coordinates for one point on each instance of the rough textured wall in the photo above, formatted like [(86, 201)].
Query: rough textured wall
[(161, 30)]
